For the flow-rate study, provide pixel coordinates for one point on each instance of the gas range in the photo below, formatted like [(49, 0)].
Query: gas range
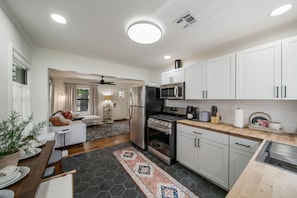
[(161, 133)]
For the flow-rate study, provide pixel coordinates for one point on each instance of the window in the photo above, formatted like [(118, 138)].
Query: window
[(82, 99), (19, 68)]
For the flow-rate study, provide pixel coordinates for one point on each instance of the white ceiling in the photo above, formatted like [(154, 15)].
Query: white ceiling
[(97, 28)]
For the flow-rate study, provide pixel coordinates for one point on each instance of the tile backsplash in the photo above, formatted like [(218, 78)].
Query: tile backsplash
[(283, 111)]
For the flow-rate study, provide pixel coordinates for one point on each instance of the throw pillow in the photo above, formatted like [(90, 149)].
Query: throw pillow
[(62, 119), (67, 115), (56, 121)]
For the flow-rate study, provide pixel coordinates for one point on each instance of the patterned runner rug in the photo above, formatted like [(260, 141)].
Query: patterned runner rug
[(151, 179)]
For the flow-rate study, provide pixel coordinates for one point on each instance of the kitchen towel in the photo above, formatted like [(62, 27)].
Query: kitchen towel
[(238, 118)]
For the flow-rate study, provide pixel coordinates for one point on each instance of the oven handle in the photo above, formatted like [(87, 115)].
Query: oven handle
[(158, 129)]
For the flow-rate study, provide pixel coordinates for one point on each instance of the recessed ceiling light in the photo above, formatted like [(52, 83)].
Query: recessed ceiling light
[(58, 18), (144, 32), (281, 10), (167, 57)]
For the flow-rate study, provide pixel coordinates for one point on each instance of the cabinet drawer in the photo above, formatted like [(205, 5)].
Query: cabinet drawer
[(244, 144), (203, 133)]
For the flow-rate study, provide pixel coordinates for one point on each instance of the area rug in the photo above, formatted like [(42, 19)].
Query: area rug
[(107, 130), (151, 179)]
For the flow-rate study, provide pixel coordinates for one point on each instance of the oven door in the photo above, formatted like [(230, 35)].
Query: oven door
[(159, 141)]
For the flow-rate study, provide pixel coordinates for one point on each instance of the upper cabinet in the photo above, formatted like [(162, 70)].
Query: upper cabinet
[(289, 68), (263, 72), (258, 72), (195, 81), (173, 76), (214, 79), (220, 77)]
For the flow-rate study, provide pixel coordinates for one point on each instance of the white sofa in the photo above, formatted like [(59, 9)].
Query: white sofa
[(90, 120), (77, 134)]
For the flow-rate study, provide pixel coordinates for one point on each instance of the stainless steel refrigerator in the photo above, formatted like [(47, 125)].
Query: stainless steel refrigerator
[(144, 101)]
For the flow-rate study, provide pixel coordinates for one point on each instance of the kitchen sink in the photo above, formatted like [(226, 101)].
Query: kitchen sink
[(280, 155)]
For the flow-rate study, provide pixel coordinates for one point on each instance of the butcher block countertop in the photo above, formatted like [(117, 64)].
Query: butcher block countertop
[(258, 179)]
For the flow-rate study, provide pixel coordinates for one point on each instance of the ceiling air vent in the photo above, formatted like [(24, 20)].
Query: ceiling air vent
[(185, 21)]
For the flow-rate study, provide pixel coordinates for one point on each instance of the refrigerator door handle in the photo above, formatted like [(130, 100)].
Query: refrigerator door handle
[(131, 105)]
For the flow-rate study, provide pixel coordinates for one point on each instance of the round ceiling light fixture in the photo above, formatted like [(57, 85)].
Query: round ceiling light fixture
[(281, 10), (58, 18), (144, 32)]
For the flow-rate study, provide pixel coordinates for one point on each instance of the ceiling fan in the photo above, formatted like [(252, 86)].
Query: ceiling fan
[(103, 82)]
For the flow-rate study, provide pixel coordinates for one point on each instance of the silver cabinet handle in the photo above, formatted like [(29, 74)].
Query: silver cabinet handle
[(199, 133), (206, 94), (195, 144), (276, 92), (198, 143), (248, 146), (203, 94), (285, 91)]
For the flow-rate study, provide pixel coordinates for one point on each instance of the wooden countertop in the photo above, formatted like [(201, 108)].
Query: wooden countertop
[(257, 179), (27, 187)]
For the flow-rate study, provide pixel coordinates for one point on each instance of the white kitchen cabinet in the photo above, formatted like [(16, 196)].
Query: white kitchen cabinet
[(195, 81), (241, 151), (220, 77), (205, 152), (213, 161), (289, 68), (214, 79), (258, 72), (186, 152), (173, 76)]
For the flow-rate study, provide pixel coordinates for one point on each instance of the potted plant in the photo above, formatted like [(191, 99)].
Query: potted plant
[(12, 139)]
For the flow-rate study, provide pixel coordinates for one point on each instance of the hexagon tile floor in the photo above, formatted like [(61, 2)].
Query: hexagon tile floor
[(100, 175)]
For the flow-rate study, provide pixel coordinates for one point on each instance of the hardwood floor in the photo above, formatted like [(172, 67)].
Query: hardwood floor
[(97, 144)]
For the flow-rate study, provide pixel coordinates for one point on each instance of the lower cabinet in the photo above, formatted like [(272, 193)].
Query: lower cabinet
[(219, 157), (241, 151), (205, 152)]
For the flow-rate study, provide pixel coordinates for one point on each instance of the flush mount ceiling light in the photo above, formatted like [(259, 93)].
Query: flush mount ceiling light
[(281, 10), (144, 32), (166, 57), (58, 18)]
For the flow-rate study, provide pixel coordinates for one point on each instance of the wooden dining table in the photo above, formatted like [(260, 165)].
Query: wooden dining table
[(27, 187)]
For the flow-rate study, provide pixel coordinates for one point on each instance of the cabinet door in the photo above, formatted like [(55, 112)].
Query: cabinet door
[(238, 161), (258, 72), (289, 68), (213, 161), (186, 152), (220, 77), (195, 81), (166, 77), (178, 75)]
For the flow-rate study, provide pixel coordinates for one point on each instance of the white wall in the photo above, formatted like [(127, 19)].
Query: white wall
[(44, 59), (10, 37)]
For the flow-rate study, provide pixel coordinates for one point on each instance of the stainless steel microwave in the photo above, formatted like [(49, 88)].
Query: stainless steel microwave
[(172, 91)]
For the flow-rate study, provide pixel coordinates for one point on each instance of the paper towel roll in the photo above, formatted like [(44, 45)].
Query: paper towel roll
[(238, 118)]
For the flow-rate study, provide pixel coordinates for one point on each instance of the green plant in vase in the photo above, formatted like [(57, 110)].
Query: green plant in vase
[(12, 137)]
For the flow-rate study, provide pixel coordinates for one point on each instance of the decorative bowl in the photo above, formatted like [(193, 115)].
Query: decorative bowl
[(275, 125)]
